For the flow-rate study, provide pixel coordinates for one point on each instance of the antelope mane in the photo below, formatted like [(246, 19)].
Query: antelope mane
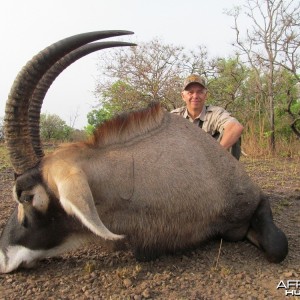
[(124, 127)]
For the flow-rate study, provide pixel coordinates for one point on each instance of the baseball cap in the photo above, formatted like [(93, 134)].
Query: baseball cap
[(193, 79)]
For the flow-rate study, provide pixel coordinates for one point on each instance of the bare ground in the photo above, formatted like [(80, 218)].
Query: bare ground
[(214, 271)]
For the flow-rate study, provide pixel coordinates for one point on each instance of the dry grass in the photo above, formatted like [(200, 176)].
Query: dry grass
[(256, 147), (4, 159), (255, 143)]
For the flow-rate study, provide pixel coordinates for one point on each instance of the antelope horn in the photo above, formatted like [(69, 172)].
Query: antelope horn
[(16, 129), (44, 84)]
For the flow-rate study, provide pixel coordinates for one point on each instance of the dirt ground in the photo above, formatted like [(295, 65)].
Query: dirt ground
[(214, 271)]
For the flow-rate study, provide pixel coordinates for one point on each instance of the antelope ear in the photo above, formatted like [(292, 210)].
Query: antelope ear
[(77, 199)]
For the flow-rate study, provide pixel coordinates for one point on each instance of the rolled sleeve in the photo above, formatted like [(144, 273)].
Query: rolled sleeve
[(216, 119)]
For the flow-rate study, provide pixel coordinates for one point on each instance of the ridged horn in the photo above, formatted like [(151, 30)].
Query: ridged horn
[(16, 129), (44, 84)]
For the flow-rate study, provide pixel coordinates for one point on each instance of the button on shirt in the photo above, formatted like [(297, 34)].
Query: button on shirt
[(213, 118)]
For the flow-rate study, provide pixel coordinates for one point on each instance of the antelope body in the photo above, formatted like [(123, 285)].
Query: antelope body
[(149, 178)]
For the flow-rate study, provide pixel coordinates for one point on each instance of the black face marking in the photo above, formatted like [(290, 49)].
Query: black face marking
[(24, 222), (27, 182), (37, 230)]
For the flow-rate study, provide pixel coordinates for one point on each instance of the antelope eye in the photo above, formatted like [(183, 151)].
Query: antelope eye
[(26, 198)]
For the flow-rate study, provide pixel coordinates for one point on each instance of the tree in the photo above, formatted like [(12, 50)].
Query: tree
[(272, 42), (53, 127), (288, 101), (122, 97), (97, 117), (140, 75), (73, 118), (198, 62), (226, 88)]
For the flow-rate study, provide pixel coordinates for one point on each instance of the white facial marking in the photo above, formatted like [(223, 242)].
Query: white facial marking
[(15, 193), (40, 200), (21, 213), (16, 256)]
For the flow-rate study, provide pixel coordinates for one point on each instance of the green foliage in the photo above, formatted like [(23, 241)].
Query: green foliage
[(227, 86), (54, 128), (295, 107), (89, 129), (243, 91), (118, 98), (98, 116)]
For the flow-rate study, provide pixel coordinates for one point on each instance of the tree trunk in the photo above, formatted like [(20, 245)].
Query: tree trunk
[(271, 108)]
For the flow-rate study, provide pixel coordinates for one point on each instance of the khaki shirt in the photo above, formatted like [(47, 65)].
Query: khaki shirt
[(214, 118)]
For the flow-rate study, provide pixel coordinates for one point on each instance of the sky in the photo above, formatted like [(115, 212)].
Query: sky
[(26, 27)]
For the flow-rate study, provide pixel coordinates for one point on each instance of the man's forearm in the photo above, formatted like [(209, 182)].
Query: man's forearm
[(232, 133)]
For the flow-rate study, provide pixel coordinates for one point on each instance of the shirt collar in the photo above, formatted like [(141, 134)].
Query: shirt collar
[(201, 116)]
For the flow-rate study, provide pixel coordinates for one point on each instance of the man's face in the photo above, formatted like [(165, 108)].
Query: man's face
[(194, 96)]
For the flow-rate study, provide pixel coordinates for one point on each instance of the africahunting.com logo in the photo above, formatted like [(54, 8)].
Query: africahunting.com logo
[(290, 287)]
